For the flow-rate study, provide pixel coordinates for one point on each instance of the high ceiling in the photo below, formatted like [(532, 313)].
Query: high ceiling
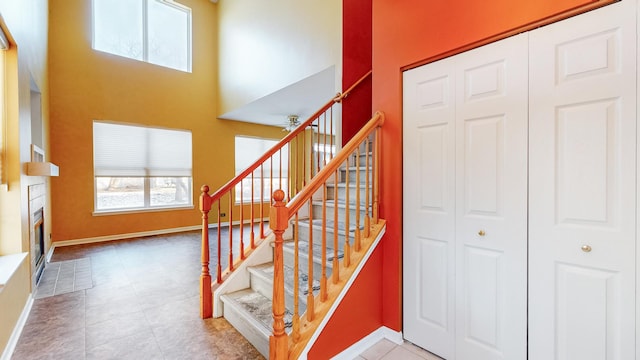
[(301, 98)]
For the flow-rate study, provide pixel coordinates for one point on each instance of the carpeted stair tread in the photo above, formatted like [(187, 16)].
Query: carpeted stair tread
[(266, 272), (258, 306), (303, 249), (317, 224)]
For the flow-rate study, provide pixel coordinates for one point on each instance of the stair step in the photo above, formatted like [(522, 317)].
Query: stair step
[(303, 257), (352, 174), (262, 282), (352, 187), (251, 314)]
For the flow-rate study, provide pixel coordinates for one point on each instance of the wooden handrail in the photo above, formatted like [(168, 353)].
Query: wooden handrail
[(318, 181), (280, 215), (304, 157), (285, 140)]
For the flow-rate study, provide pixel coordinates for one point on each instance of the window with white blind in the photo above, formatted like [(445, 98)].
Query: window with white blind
[(139, 167), (272, 175), (154, 31)]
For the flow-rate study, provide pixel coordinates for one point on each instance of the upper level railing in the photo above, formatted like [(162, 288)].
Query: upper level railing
[(245, 199), (338, 245)]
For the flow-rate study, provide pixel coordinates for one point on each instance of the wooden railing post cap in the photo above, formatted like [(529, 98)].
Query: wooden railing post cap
[(381, 114), (205, 189), (278, 216)]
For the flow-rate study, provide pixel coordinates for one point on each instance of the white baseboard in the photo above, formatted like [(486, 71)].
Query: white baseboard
[(368, 341), (17, 330), (105, 238)]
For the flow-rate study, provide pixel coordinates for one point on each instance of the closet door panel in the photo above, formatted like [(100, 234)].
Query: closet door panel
[(428, 207), (491, 201), (582, 221)]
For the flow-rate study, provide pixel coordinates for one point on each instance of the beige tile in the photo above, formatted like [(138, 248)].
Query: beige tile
[(118, 327), (377, 351), (140, 346), (400, 352), (420, 351)]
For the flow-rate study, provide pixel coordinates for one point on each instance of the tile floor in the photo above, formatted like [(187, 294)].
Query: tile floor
[(143, 304), (387, 350)]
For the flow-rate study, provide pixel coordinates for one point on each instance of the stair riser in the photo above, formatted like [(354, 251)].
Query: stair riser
[(317, 236), (247, 329), (265, 288), (342, 211), (317, 214), (304, 265), (352, 175), (353, 191)]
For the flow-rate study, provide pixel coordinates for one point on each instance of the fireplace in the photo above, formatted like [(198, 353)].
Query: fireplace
[(37, 233)]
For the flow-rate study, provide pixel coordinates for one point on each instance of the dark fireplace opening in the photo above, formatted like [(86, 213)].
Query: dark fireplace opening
[(38, 250)]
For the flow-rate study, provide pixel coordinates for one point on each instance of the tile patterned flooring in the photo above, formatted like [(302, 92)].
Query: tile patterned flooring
[(143, 304), (387, 350), (64, 277)]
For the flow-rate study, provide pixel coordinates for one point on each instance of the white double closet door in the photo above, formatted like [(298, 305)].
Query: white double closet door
[(520, 195)]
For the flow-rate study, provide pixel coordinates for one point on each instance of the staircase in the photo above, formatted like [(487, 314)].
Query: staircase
[(278, 286), (250, 310)]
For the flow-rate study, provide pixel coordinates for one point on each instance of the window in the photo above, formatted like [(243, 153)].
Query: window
[(272, 175), (154, 31), (137, 167)]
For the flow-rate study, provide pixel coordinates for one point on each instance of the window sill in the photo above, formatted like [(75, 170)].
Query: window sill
[(140, 210), (8, 266)]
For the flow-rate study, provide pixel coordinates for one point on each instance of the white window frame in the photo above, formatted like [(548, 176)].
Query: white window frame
[(145, 32), (261, 173), (147, 206)]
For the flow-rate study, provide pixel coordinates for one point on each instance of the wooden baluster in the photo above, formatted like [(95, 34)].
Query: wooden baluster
[(323, 248), (289, 187), (230, 230), (310, 304), (296, 166), (324, 140), (242, 220), (206, 297), (367, 218), (304, 159), (356, 238), (261, 201), (336, 268), (278, 341), (376, 176), (253, 242), (296, 282), (318, 147), (346, 260), (219, 269), (331, 132)]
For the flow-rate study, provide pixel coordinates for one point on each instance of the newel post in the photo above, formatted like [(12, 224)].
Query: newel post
[(278, 218), (206, 297)]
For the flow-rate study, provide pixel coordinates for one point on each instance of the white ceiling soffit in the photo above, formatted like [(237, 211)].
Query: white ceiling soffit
[(302, 98)]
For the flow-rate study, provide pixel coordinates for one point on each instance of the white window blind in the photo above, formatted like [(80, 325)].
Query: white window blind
[(135, 151), (248, 150)]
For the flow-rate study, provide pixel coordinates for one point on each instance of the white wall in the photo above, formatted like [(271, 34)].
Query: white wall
[(267, 45)]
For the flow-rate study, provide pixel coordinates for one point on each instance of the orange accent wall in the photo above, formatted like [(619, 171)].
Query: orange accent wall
[(89, 85), (405, 33)]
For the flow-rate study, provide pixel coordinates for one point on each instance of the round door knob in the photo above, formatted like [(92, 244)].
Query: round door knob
[(482, 233), (586, 248)]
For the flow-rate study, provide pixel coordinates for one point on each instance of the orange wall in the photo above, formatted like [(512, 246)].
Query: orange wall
[(87, 85), (404, 33)]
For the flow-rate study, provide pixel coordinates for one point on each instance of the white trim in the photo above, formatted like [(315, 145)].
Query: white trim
[(368, 341), (342, 294), (17, 330), (96, 239)]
